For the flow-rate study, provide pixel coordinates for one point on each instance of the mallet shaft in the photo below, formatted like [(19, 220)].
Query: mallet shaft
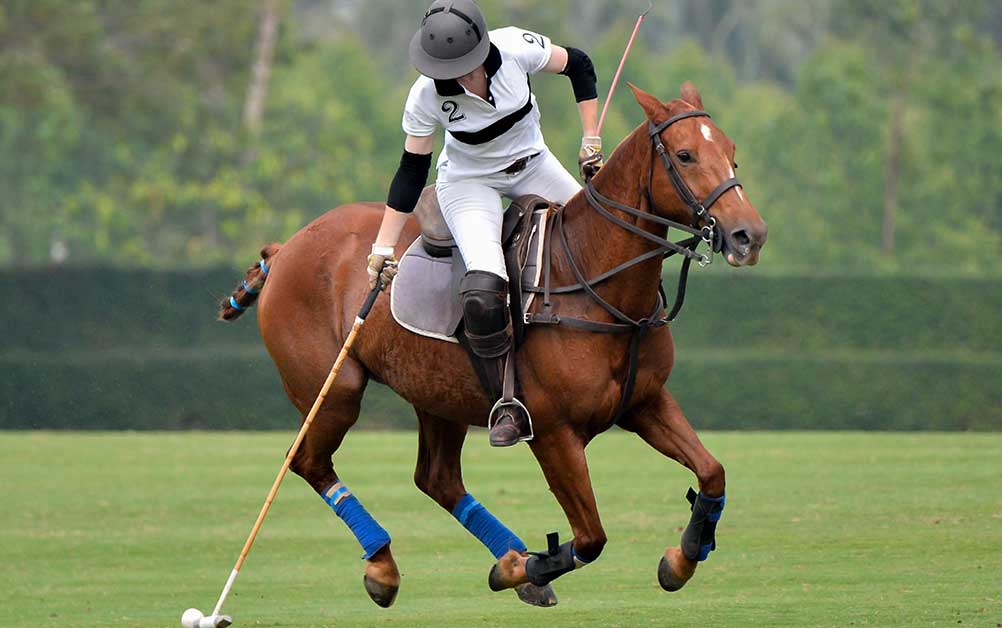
[(619, 70), (342, 356)]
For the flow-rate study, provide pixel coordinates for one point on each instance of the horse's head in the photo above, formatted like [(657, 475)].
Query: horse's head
[(703, 157)]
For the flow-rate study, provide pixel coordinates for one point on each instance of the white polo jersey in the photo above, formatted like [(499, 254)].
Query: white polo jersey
[(484, 136)]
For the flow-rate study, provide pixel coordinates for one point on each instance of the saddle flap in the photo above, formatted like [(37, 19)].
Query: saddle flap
[(518, 225), (424, 296)]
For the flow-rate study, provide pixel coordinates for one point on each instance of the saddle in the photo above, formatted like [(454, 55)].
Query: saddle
[(425, 295)]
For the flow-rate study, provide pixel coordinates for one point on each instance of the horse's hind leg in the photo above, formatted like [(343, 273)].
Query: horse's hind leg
[(663, 426), (313, 463), (439, 475)]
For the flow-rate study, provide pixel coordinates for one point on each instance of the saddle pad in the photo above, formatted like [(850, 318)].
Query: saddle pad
[(424, 297)]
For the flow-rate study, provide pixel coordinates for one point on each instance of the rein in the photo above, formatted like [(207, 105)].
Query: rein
[(702, 229)]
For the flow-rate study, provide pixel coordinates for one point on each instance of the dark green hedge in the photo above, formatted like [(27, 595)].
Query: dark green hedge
[(736, 309), (80, 309), (141, 350), (239, 393), (813, 392), (219, 390)]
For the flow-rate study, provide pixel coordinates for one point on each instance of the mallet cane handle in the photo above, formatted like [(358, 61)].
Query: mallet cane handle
[(370, 300)]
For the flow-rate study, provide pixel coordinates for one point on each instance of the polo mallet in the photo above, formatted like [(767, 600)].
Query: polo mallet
[(193, 618), (619, 70)]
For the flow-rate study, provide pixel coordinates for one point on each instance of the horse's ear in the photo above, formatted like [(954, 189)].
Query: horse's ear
[(691, 95), (651, 105)]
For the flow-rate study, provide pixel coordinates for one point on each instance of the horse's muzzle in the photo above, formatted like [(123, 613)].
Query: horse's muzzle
[(743, 243)]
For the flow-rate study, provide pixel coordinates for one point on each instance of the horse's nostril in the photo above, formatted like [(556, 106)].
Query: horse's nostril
[(741, 237)]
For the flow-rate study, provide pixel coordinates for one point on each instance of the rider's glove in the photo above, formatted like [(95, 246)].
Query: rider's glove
[(590, 158), (382, 259)]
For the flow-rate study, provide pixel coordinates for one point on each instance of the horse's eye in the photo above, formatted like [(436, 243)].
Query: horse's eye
[(684, 157)]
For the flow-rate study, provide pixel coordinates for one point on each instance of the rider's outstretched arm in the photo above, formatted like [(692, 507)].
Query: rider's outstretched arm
[(402, 198), (576, 65)]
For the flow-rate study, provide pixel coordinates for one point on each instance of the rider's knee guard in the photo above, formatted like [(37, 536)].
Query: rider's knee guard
[(484, 297)]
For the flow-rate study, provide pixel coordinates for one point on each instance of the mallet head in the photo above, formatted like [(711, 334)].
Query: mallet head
[(193, 618)]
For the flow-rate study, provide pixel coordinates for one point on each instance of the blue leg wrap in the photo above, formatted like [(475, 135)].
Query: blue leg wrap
[(699, 537), (371, 536), (486, 527), (712, 517)]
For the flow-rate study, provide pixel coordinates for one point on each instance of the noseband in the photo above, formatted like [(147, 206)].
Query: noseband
[(702, 229)]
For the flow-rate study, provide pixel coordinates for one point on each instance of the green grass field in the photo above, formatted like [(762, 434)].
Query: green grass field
[(821, 529)]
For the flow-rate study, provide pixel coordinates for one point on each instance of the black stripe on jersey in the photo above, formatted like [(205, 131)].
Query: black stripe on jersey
[(497, 129)]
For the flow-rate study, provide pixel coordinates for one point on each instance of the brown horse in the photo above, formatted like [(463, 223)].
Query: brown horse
[(571, 379)]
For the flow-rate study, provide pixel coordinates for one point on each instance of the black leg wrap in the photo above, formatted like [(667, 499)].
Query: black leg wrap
[(699, 539), (485, 313), (543, 568)]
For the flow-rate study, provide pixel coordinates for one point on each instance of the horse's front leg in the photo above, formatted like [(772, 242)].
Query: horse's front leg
[(663, 426), (562, 458), (439, 475)]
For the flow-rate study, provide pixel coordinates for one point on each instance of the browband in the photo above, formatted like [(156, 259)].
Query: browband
[(656, 129)]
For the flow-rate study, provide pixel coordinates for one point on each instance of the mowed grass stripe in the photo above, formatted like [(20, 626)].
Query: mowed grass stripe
[(821, 529)]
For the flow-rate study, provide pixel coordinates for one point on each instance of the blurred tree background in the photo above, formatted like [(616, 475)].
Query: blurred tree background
[(164, 141), (175, 134)]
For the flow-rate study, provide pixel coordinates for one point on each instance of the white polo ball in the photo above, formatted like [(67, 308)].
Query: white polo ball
[(191, 617)]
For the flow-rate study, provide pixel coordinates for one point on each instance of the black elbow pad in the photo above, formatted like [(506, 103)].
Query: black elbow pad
[(582, 74), (408, 182)]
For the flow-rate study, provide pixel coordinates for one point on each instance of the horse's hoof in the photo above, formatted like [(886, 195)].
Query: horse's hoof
[(382, 594), (508, 572), (494, 579), (537, 596), (672, 579), (666, 578)]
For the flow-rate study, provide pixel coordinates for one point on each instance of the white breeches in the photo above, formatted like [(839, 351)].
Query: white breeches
[(472, 207)]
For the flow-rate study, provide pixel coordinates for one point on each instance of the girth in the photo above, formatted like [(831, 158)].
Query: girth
[(702, 229)]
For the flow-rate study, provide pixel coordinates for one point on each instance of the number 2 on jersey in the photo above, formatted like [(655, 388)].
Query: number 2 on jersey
[(533, 38), (452, 108)]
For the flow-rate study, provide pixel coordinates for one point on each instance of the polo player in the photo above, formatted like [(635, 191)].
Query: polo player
[(475, 85)]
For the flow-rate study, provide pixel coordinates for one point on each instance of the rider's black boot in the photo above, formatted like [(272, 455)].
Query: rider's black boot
[(487, 320)]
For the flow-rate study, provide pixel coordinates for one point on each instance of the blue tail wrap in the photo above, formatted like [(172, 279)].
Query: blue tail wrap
[(370, 535), (486, 527)]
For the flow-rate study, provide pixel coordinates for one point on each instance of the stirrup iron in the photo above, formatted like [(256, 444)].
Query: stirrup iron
[(508, 404)]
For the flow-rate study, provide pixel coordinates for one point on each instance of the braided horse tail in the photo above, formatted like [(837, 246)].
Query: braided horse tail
[(247, 292)]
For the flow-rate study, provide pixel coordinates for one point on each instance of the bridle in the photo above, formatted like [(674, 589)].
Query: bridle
[(702, 229), (700, 209)]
